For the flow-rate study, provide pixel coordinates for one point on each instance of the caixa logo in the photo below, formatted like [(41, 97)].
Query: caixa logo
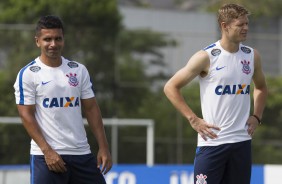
[(232, 89), (61, 102)]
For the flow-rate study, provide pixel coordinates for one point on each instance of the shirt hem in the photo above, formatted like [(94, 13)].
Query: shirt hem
[(221, 143)]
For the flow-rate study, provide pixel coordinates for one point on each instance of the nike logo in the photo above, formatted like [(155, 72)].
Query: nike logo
[(219, 68), (43, 83)]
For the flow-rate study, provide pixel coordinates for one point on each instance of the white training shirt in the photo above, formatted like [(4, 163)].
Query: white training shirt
[(56, 93), (225, 93)]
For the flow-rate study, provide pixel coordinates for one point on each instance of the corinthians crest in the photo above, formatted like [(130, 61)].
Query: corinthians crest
[(201, 179), (246, 67), (72, 79)]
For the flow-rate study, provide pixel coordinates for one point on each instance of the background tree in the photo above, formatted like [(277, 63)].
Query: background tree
[(267, 145)]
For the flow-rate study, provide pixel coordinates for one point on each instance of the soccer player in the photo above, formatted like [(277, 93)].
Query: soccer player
[(226, 70), (51, 93)]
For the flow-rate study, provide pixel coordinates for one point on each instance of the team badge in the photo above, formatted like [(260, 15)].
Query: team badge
[(201, 179), (246, 67), (35, 69), (72, 79), (72, 64), (246, 50), (215, 52)]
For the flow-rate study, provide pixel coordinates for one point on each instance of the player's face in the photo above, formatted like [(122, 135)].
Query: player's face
[(238, 29), (51, 43)]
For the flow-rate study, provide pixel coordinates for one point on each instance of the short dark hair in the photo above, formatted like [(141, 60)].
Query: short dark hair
[(49, 22)]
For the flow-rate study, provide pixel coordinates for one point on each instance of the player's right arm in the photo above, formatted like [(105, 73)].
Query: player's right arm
[(53, 160), (25, 100), (197, 65)]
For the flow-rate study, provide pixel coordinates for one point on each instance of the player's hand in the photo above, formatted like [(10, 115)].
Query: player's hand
[(54, 161), (204, 128), (104, 160), (252, 125)]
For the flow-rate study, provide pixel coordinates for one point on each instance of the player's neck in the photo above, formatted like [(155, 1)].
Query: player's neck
[(229, 46), (52, 62)]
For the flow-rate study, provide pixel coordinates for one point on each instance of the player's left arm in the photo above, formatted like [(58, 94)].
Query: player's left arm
[(259, 94), (94, 118)]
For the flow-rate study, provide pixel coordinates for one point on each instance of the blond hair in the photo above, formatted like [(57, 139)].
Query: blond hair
[(228, 12)]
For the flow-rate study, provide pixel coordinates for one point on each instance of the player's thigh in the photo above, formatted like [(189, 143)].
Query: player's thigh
[(40, 174), (239, 166), (209, 165), (84, 170)]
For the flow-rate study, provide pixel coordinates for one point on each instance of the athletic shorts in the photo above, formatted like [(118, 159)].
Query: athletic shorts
[(223, 164), (81, 169)]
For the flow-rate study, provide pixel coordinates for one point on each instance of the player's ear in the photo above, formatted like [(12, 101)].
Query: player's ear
[(224, 26), (37, 41)]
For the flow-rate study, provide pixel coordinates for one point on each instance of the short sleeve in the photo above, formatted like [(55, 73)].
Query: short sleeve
[(24, 88), (87, 86)]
